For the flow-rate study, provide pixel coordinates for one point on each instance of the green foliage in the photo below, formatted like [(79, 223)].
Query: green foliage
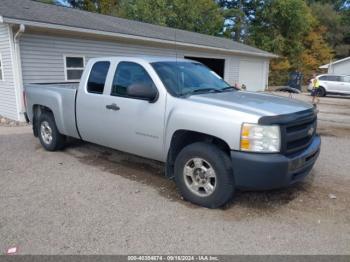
[(151, 11), (336, 4), (238, 16), (201, 16), (288, 28), (304, 33), (281, 27), (336, 27), (108, 7)]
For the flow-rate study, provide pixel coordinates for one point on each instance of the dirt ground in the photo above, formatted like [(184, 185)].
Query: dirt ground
[(89, 199)]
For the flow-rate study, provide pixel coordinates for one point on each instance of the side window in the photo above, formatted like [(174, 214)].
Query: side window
[(128, 74), (97, 78), (74, 67), (346, 79), (1, 69), (334, 78), (324, 78)]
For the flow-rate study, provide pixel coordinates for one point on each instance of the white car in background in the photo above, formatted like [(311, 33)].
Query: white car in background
[(332, 84)]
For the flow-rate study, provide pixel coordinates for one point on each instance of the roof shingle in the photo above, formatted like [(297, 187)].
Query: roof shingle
[(29, 10)]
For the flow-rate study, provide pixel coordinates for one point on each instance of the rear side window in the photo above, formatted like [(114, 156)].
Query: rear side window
[(346, 79), (331, 78), (97, 78)]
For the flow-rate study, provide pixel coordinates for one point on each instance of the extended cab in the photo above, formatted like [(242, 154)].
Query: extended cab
[(213, 138)]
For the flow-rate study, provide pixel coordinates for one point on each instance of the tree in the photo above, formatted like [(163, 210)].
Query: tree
[(336, 29), (288, 28), (281, 27), (201, 16), (337, 4), (108, 7), (316, 51), (238, 16), (151, 11)]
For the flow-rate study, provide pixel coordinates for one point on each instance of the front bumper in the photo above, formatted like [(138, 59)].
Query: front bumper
[(269, 171)]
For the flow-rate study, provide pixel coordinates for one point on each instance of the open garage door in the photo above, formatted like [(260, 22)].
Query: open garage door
[(217, 65), (251, 74)]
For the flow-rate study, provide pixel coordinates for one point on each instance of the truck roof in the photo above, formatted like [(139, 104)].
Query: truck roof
[(148, 59)]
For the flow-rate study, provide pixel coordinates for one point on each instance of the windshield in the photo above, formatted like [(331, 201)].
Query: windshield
[(186, 78)]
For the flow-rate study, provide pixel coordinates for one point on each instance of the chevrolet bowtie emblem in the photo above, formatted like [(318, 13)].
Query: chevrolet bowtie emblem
[(310, 132)]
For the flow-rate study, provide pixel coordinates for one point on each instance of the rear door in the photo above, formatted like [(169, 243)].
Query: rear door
[(345, 84), (91, 103)]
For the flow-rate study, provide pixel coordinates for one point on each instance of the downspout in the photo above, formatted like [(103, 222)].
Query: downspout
[(18, 75)]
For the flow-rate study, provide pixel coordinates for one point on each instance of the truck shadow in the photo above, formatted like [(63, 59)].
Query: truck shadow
[(152, 173)]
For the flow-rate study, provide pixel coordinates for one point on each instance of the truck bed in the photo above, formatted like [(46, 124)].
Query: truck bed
[(73, 85), (59, 98)]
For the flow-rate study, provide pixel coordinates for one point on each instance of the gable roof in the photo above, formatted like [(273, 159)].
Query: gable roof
[(335, 62), (30, 12)]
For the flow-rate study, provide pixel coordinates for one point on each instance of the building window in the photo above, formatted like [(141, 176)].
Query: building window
[(74, 67), (1, 69)]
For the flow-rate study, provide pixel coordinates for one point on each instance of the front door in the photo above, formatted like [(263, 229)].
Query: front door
[(134, 125)]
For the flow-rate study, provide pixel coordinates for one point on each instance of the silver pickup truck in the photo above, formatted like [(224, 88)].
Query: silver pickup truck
[(213, 138)]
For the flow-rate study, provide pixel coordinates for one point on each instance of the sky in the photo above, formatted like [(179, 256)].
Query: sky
[(62, 2)]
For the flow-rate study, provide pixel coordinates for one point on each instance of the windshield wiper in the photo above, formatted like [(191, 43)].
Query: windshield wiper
[(202, 90), (229, 88)]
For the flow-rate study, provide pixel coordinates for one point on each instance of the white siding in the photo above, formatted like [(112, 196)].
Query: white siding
[(342, 68), (232, 70), (8, 103), (42, 55), (253, 73)]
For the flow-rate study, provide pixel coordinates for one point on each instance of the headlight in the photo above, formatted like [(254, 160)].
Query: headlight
[(258, 138)]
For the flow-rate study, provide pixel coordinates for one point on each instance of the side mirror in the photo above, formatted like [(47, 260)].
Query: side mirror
[(142, 91)]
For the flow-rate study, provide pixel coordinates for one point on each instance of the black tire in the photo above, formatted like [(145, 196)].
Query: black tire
[(222, 165), (322, 92), (58, 140)]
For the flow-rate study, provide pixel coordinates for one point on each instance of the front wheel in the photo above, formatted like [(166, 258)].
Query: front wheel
[(204, 176), (49, 136), (322, 92)]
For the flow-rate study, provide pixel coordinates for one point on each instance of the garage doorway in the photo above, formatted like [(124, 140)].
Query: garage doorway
[(217, 65)]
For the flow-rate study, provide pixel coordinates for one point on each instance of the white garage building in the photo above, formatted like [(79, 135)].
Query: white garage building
[(42, 43), (339, 67)]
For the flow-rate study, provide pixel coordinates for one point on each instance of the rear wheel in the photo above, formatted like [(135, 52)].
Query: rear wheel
[(204, 176), (49, 136)]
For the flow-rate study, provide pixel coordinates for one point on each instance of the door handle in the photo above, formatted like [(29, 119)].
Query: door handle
[(113, 107)]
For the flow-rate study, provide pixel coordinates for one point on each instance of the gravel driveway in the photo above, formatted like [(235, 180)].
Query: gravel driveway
[(92, 200)]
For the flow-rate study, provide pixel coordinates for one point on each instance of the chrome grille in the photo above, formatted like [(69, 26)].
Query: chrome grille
[(298, 134)]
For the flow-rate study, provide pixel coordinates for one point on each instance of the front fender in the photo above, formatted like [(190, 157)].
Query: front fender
[(205, 119)]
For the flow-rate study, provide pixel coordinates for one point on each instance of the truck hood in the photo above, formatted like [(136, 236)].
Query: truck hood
[(253, 103)]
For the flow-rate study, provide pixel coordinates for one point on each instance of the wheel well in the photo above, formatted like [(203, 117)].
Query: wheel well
[(183, 138), (37, 111)]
